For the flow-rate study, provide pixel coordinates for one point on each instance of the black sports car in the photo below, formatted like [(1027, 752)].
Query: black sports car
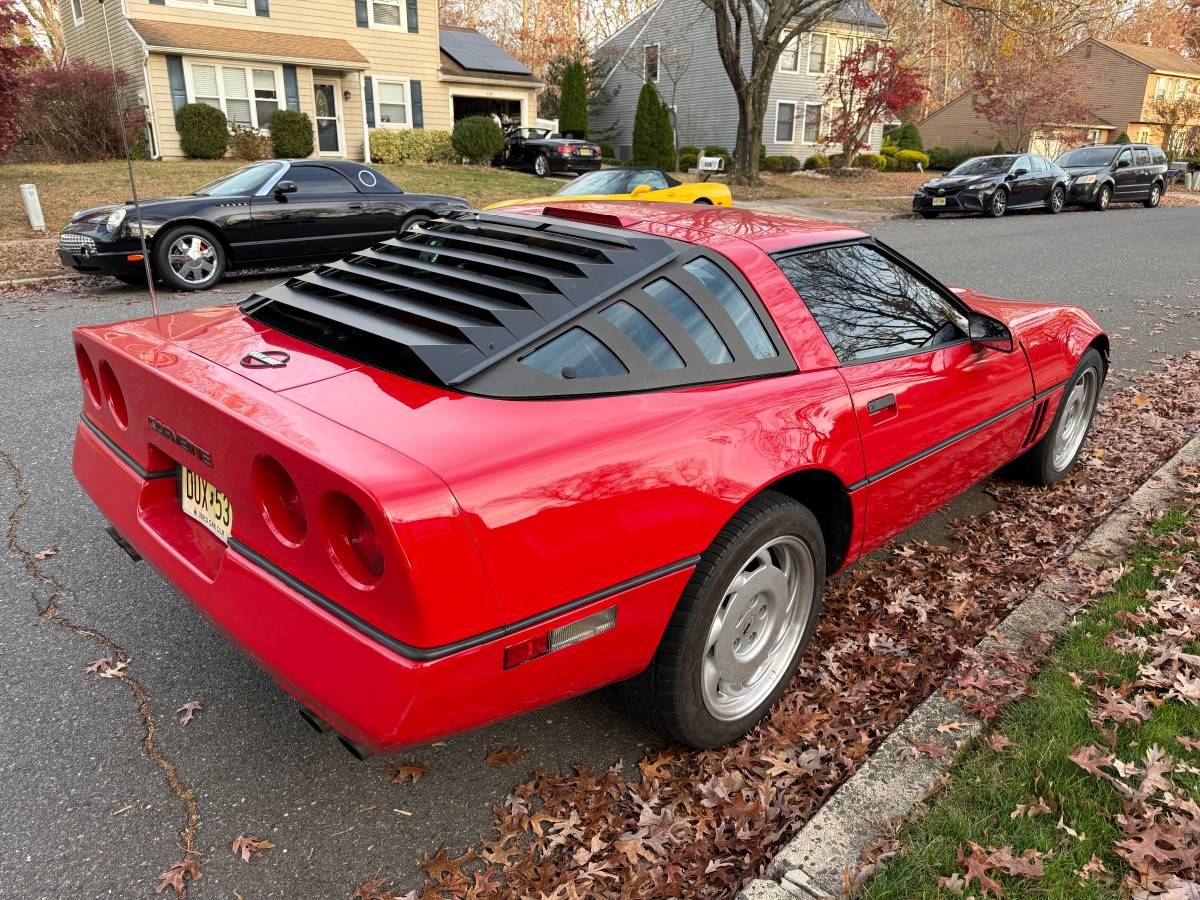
[(538, 150), (273, 213), (993, 185)]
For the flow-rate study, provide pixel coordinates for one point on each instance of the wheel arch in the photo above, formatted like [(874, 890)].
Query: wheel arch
[(825, 495), (196, 221), (1102, 346)]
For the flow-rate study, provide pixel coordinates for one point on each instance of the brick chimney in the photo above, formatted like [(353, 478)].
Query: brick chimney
[(1148, 40)]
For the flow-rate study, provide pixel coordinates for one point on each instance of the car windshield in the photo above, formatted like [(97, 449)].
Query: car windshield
[(1088, 156), (983, 165), (607, 181), (246, 180)]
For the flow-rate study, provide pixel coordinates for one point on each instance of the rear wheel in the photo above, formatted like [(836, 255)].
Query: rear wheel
[(541, 166), (740, 627), (1103, 198), (189, 258), (998, 205), (1155, 196), (1057, 200), (1051, 458), (412, 222), (702, 201)]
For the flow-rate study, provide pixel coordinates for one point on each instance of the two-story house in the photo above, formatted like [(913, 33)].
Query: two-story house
[(1118, 82), (674, 45), (352, 65)]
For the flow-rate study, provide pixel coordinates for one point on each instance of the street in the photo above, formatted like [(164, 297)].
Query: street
[(88, 811)]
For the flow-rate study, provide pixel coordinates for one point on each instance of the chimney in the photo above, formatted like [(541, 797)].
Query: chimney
[(1148, 40)]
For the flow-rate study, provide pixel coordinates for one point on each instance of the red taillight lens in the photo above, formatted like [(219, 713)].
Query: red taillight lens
[(566, 151), (87, 374), (353, 541), (114, 396), (279, 499)]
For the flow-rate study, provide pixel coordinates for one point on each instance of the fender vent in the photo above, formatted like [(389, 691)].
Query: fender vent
[(1035, 427)]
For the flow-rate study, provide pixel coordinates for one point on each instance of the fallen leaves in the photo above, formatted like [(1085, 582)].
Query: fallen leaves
[(178, 875), (504, 756), (410, 771), (106, 668), (47, 553), (188, 711), (247, 846)]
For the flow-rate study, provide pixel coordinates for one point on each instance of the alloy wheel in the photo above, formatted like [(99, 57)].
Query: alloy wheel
[(1076, 416), (999, 203), (541, 167), (1057, 200), (192, 258), (757, 627)]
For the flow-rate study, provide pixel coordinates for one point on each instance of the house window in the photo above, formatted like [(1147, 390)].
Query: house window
[(812, 123), (789, 59), (228, 88), (387, 13), (391, 103), (816, 53), (1162, 87), (242, 6), (77, 9), (1144, 136), (785, 123), (650, 63)]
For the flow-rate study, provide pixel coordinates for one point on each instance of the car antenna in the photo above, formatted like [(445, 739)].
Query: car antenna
[(137, 206)]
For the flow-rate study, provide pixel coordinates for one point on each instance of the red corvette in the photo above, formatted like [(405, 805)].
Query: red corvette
[(513, 457)]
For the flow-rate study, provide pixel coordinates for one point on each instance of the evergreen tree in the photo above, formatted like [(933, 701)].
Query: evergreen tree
[(653, 141), (909, 138), (573, 102)]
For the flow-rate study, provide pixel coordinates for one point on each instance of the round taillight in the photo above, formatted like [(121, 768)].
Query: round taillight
[(353, 541), (112, 393), (87, 374), (279, 500)]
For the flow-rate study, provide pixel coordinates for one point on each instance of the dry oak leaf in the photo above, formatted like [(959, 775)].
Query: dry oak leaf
[(504, 756), (373, 891), (998, 742), (47, 553), (188, 711), (1039, 805), (245, 846), (442, 867), (1093, 869), (175, 876), (1027, 865), (932, 749), (976, 865), (946, 727), (1175, 889), (406, 771)]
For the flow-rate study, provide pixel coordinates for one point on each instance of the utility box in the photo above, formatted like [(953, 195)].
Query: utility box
[(33, 207)]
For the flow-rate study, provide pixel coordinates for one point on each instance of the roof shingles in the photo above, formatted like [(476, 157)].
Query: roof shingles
[(247, 43), (1158, 58)]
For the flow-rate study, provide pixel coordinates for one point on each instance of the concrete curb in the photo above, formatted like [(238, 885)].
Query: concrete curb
[(890, 783), (41, 279)]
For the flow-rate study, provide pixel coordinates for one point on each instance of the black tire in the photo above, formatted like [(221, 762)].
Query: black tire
[(1155, 198), (1103, 198), (412, 220), (998, 205), (1057, 200), (669, 692), (929, 214), (702, 201), (541, 165), (182, 280), (1037, 465)]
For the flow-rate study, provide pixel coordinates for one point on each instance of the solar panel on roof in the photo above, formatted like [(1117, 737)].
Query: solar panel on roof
[(472, 50)]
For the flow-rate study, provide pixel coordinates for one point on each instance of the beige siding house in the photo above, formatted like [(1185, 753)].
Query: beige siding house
[(351, 65), (1118, 82)]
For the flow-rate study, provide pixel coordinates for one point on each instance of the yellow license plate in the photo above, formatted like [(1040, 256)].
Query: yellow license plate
[(939, 201), (205, 504), (585, 151)]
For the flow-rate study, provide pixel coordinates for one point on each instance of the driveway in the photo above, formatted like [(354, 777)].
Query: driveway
[(88, 811)]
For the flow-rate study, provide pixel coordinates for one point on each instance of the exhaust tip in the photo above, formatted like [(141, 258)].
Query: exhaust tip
[(358, 751), (319, 725)]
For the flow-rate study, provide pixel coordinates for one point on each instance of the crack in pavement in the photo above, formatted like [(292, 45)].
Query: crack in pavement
[(51, 612)]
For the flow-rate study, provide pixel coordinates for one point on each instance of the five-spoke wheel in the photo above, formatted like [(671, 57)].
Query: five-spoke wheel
[(188, 258)]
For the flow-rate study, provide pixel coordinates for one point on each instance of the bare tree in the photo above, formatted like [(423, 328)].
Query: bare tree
[(47, 28), (765, 29), (1179, 120)]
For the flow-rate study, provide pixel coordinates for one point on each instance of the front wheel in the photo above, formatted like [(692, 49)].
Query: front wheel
[(702, 201), (1051, 458), (541, 166), (998, 205), (189, 258), (1057, 200), (1155, 196), (740, 627), (1103, 198)]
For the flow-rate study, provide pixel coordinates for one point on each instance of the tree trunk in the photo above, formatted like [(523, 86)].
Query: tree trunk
[(749, 139)]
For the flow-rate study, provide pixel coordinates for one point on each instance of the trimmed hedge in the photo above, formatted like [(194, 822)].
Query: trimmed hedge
[(909, 138), (872, 161), (573, 102), (203, 131), (906, 160), (292, 134), (944, 159), (653, 140), (477, 138), (781, 164), (689, 158), (411, 145), (816, 161)]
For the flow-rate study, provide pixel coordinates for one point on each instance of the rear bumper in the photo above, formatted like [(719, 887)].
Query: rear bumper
[(574, 163), (371, 693)]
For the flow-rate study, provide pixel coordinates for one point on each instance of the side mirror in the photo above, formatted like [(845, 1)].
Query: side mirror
[(284, 187), (1122, 164), (640, 189), (1019, 172), (991, 333)]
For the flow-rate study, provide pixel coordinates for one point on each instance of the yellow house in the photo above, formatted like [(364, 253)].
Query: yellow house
[(346, 63)]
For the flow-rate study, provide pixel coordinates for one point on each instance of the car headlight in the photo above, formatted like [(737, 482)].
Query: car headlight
[(115, 219), (1086, 179)]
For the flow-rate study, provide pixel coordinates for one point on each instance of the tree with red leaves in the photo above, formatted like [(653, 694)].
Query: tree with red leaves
[(1025, 92), (867, 85), (14, 59)]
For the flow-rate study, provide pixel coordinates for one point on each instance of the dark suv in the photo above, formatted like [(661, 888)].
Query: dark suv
[(1116, 173)]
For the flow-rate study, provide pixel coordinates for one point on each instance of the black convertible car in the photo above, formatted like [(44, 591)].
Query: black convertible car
[(273, 213), (537, 149), (993, 185)]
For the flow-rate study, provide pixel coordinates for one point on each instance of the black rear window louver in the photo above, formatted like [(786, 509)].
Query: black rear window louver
[(461, 294)]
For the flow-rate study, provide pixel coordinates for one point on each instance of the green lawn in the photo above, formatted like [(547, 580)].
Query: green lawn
[(986, 785)]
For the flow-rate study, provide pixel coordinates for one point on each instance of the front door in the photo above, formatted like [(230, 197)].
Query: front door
[(329, 126), (325, 217), (1125, 176)]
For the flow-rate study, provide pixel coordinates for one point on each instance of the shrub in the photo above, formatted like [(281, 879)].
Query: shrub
[(771, 164), (606, 149), (477, 138), (906, 160), (909, 138), (292, 134), (689, 159), (203, 131), (816, 161), (888, 149), (999, 148), (714, 150), (249, 143), (611, 161), (69, 114), (872, 161), (653, 141), (573, 102), (944, 159), (1122, 138), (837, 160), (688, 148), (411, 145), (789, 164)]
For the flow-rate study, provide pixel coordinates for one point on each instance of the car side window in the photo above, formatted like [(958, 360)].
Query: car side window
[(735, 303), (1040, 165), (1022, 163), (693, 319), (1141, 157), (656, 181), (1126, 156), (1158, 157), (575, 354), (318, 180), (868, 306), (643, 334)]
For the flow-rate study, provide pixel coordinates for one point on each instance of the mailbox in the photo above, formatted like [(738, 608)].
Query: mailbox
[(711, 163)]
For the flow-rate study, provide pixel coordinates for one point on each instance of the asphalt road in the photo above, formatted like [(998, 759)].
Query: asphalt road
[(87, 811)]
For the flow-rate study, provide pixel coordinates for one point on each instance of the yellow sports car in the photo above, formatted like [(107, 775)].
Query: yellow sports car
[(634, 183)]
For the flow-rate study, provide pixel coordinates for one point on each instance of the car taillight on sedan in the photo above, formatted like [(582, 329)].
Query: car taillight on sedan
[(566, 150)]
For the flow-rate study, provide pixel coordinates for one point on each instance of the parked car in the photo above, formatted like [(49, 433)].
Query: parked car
[(633, 183), (274, 213), (511, 458), (993, 185), (543, 152), (1116, 173)]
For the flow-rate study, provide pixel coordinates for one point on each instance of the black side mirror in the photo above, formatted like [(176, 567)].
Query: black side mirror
[(284, 187), (1019, 172), (991, 333), (1122, 164)]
